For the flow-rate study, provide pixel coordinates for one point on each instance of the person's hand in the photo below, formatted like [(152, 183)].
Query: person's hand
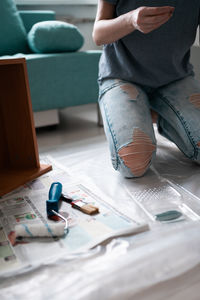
[(147, 19)]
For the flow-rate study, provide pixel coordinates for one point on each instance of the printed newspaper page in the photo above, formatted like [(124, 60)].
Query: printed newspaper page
[(27, 205)]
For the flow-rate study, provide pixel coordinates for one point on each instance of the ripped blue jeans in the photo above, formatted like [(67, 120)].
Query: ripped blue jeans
[(125, 109)]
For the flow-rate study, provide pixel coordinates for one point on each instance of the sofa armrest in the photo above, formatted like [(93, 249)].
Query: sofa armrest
[(30, 17)]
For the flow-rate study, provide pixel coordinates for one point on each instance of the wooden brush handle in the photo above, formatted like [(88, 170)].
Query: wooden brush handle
[(89, 209)]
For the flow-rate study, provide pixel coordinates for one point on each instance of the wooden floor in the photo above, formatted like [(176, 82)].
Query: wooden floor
[(78, 129)]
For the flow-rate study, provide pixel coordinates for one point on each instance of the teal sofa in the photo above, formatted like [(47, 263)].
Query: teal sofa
[(57, 80)]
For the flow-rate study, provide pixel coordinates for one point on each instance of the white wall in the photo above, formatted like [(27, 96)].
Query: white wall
[(195, 60)]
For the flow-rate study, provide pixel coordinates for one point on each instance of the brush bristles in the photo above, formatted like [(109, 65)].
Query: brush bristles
[(89, 209)]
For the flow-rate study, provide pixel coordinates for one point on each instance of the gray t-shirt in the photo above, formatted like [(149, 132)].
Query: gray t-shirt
[(156, 58)]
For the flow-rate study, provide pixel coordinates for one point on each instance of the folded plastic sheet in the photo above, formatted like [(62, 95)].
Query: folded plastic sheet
[(119, 270), (163, 263)]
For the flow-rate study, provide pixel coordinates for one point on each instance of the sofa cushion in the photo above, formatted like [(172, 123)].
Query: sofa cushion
[(31, 17), (61, 80), (54, 36), (13, 36)]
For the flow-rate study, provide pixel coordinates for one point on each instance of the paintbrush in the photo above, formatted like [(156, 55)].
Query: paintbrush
[(56, 195), (81, 205)]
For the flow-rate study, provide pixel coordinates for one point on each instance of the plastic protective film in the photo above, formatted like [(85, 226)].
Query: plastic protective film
[(147, 269), (162, 263), (164, 201)]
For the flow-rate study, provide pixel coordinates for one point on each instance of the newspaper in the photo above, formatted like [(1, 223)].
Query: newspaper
[(27, 205)]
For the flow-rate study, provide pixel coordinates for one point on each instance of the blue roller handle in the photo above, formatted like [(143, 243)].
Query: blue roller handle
[(55, 192)]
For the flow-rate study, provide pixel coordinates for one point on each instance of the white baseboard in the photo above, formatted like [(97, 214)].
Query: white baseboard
[(46, 118)]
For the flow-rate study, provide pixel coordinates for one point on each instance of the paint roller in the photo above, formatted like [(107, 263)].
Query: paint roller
[(52, 208), (40, 230), (53, 229)]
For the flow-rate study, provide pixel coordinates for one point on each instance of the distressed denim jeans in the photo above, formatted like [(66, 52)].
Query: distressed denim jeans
[(125, 109)]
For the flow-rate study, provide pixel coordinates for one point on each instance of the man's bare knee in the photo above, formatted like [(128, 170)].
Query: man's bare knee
[(130, 90), (138, 154), (195, 100)]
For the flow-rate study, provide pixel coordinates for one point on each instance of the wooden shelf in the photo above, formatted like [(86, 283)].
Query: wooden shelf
[(19, 158)]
